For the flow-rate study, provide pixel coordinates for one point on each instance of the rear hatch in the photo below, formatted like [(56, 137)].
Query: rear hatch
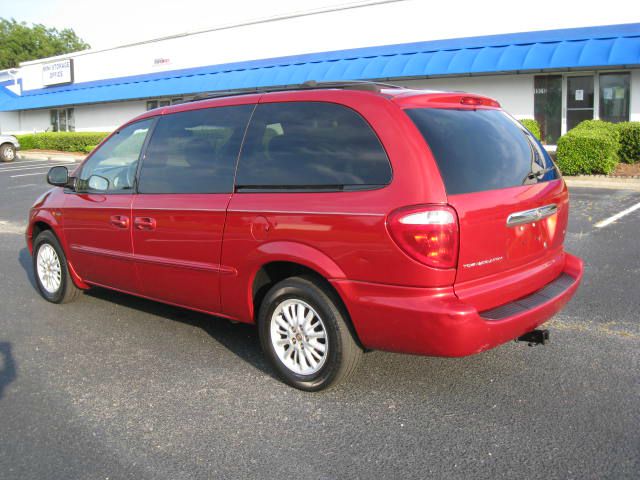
[(511, 203)]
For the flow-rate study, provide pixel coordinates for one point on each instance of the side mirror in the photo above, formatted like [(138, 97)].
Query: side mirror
[(58, 176), (98, 183)]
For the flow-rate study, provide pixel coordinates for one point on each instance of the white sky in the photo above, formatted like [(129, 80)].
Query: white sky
[(116, 22)]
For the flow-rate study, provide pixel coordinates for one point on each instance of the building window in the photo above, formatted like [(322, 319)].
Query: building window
[(162, 102), (614, 97), (62, 120), (547, 106)]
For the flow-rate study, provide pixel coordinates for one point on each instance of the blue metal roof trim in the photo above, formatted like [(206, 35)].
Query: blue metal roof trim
[(613, 45)]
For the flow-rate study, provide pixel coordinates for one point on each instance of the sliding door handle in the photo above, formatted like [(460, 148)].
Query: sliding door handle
[(145, 223)]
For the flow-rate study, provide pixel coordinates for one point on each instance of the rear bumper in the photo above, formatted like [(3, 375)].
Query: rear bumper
[(435, 322)]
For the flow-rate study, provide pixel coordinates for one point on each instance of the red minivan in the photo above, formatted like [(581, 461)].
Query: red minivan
[(336, 217)]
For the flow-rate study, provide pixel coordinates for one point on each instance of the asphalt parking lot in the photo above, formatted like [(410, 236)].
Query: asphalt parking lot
[(117, 387)]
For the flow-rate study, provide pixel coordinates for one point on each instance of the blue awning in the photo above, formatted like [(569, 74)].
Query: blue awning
[(577, 48)]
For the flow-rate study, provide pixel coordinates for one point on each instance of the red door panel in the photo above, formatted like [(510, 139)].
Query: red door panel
[(177, 240), (98, 231)]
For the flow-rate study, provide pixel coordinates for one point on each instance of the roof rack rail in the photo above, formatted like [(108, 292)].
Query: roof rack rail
[(308, 85)]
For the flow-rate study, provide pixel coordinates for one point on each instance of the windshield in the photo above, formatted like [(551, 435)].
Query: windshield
[(479, 150)]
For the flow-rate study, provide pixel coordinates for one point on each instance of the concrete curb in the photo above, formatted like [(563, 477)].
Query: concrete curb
[(53, 156), (601, 181)]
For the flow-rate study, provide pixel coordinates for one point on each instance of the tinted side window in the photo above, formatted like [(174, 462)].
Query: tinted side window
[(311, 144), (116, 160), (480, 150), (194, 152)]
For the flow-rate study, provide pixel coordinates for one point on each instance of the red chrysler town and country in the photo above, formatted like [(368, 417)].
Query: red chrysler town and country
[(336, 217)]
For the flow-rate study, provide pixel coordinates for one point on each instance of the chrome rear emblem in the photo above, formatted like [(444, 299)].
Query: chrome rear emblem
[(533, 215), (480, 263)]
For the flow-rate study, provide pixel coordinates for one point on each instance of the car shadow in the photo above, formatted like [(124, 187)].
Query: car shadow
[(239, 338), (8, 372), (24, 258)]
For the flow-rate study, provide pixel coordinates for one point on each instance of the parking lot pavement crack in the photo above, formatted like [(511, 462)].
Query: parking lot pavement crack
[(612, 329)]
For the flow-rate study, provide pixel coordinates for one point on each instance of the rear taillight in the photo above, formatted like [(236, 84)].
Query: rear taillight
[(427, 233)]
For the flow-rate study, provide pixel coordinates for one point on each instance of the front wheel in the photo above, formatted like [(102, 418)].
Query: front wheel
[(7, 152), (305, 335), (50, 270)]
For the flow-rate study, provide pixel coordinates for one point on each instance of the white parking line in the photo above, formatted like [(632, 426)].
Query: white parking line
[(28, 174), (39, 161), (13, 166), (24, 186), (17, 164), (617, 216), (32, 167), (12, 227)]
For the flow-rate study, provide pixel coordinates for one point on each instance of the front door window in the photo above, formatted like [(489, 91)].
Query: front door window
[(579, 100), (116, 160)]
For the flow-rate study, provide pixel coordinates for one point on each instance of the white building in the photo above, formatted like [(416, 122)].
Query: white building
[(560, 77)]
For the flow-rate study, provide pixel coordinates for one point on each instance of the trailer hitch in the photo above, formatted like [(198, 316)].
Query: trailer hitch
[(534, 337)]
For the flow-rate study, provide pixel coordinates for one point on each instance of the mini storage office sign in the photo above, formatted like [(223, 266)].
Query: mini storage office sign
[(57, 73)]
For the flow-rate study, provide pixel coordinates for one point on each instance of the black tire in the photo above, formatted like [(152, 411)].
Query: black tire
[(67, 290), (7, 152), (342, 351)]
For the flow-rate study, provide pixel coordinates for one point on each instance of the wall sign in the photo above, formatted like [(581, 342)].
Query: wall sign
[(161, 62), (57, 73)]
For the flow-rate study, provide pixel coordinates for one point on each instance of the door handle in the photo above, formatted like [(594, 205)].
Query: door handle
[(145, 223), (119, 221)]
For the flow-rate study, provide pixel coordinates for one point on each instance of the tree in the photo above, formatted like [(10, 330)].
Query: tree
[(20, 42)]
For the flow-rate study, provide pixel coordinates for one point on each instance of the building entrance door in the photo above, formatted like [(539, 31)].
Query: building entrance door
[(579, 100), (547, 106)]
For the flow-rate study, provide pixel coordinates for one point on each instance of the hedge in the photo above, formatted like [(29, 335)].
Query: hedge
[(587, 151), (531, 125), (629, 151), (599, 126), (61, 141)]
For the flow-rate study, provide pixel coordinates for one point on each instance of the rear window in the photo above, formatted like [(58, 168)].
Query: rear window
[(479, 150), (310, 146)]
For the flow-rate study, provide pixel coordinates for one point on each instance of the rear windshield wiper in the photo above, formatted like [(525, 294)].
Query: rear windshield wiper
[(539, 173)]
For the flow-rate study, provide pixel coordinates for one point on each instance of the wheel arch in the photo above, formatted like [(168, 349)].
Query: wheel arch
[(41, 221), (44, 221), (273, 272)]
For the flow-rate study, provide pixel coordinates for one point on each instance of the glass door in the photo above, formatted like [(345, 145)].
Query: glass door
[(579, 100), (547, 106)]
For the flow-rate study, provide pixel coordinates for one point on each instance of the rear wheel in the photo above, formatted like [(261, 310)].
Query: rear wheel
[(7, 152), (51, 271), (304, 334)]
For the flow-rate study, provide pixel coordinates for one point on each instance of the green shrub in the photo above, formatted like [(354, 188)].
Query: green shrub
[(587, 151), (531, 125), (629, 151), (599, 126), (61, 141), (89, 148)]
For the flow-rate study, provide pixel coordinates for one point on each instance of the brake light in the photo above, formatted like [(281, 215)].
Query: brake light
[(427, 233), (479, 101)]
